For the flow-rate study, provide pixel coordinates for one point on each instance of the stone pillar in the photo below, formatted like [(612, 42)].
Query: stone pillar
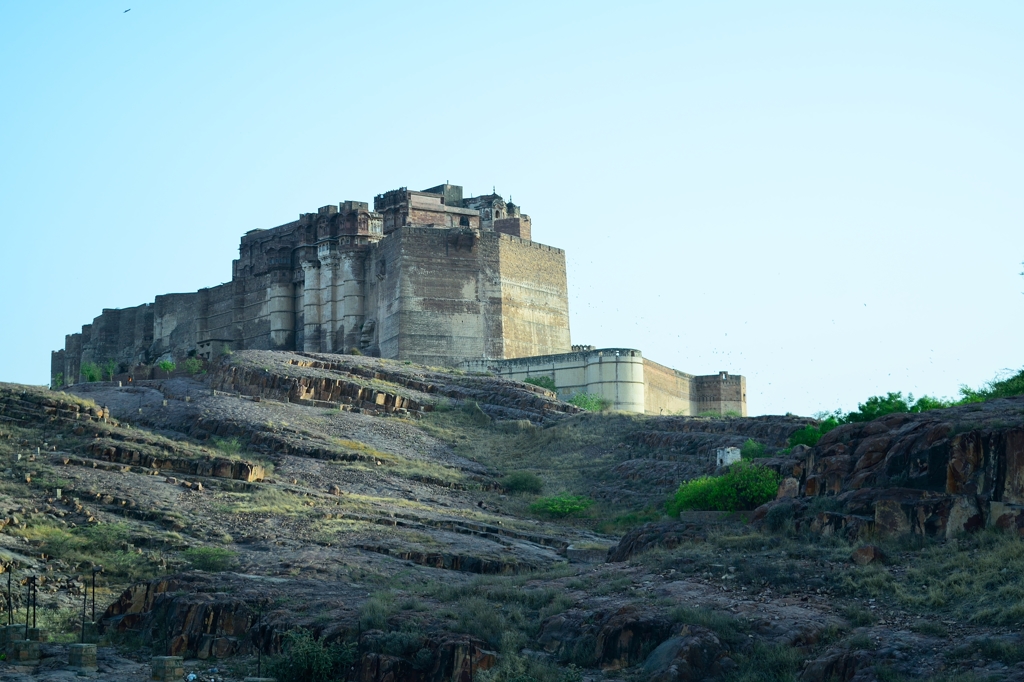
[(281, 299), (311, 307), (82, 657), (328, 308), (9, 633), (353, 304), (37, 634), (167, 669)]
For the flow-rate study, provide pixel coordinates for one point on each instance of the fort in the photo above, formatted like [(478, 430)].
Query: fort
[(429, 277)]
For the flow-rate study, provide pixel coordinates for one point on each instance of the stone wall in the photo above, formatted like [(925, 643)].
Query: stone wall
[(667, 390), (534, 298), (438, 289), (721, 393), (631, 382), (613, 373)]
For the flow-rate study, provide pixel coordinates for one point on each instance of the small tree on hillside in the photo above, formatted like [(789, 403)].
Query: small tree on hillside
[(109, 369)]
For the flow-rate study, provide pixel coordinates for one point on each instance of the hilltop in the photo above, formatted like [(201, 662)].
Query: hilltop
[(394, 509)]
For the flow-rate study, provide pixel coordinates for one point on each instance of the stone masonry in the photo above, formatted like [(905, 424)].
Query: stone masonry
[(428, 277)]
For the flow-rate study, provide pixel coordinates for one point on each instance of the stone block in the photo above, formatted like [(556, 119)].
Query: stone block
[(167, 668), (37, 634), (22, 652), (82, 657), (588, 555)]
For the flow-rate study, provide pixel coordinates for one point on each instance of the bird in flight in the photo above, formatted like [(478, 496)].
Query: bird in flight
[(127, 10)]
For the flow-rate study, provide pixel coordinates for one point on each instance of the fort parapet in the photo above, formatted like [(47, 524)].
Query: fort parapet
[(430, 277), (629, 381)]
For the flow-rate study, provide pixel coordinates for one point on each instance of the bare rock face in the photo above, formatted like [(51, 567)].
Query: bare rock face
[(612, 640), (667, 534), (694, 654), (449, 658), (937, 473)]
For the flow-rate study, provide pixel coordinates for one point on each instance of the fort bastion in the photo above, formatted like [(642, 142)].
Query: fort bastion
[(430, 277)]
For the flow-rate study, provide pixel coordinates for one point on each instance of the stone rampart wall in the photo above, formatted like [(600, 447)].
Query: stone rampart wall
[(534, 298), (667, 390), (613, 373)]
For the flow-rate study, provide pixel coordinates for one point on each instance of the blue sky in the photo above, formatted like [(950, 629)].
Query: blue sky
[(824, 197)]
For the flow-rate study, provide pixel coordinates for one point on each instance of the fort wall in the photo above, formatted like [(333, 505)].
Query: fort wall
[(431, 277), (631, 382)]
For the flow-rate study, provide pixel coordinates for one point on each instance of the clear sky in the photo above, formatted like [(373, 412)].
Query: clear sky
[(824, 197)]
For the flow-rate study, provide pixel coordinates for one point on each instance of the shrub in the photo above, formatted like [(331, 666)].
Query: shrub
[(354, 351), (561, 505), (522, 482), (167, 366), (229, 446), (193, 365), (751, 449), (542, 381), (209, 559), (590, 402), (307, 660), (1004, 388), (91, 371), (109, 369), (743, 487), (58, 381)]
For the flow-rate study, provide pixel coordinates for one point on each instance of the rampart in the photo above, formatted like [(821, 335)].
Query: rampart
[(430, 277), (427, 277), (629, 381)]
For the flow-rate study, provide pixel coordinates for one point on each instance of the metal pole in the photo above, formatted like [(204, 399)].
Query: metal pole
[(10, 601), (94, 595), (35, 600), (85, 601), (259, 644), (28, 602)]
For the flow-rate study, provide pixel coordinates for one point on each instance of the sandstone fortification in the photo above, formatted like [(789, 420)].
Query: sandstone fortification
[(429, 277)]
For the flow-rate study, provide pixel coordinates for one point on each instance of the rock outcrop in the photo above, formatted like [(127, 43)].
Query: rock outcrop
[(937, 473)]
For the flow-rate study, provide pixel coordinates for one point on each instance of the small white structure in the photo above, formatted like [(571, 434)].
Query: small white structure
[(727, 456)]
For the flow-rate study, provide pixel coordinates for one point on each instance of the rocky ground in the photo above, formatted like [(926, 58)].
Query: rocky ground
[(366, 501)]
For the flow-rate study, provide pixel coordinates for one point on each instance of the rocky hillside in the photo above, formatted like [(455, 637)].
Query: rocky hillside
[(369, 503), (937, 473)]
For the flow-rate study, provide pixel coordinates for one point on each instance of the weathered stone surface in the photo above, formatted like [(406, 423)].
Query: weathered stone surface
[(695, 653), (867, 554), (936, 473), (610, 640)]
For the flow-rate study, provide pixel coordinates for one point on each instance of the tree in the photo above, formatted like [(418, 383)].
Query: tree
[(109, 368), (167, 366)]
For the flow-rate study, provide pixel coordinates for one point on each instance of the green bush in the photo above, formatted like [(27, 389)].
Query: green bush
[(307, 660), (193, 365), (167, 366), (91, 371), (561, 505), (210, 559), (1004, 388), (590, 402), (109, 369), (751, 449), (229, 446), (523, 482), (542, 381), (743, 487)]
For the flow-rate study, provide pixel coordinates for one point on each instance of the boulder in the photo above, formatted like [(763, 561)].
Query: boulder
[(693, 654)]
